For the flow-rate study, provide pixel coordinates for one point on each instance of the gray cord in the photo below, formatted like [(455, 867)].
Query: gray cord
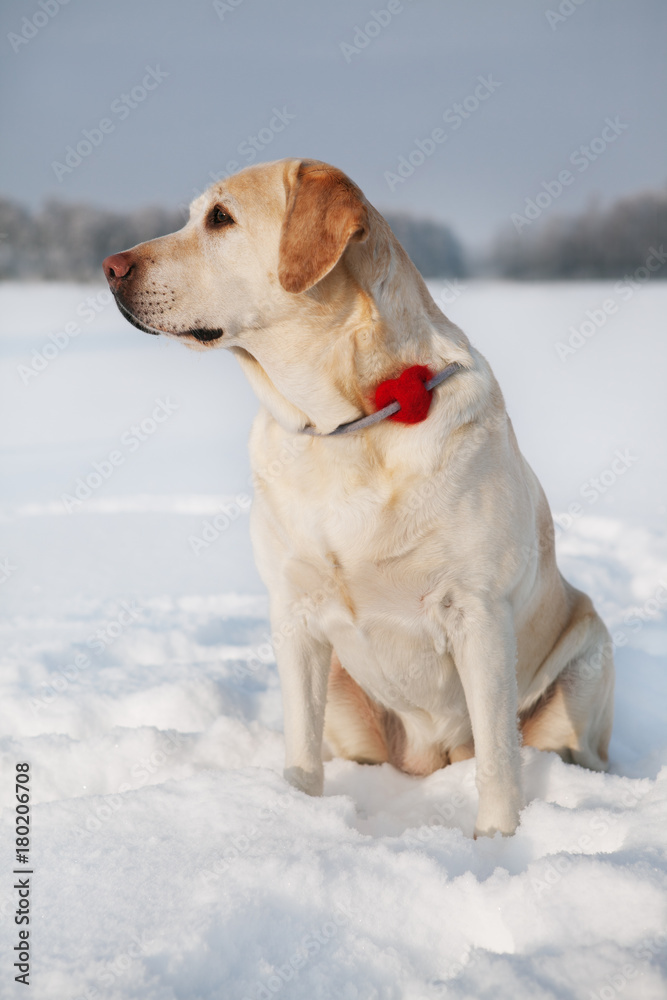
[(386, 411)]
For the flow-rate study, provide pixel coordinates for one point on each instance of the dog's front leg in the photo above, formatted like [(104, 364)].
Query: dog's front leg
[(485, 654), (303, 665)]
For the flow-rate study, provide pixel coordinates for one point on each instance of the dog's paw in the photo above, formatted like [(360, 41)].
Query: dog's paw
[(491, 831), (490, 822), (310, 782)]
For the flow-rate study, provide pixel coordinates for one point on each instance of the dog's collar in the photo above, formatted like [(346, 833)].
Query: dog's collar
[(409, 378)]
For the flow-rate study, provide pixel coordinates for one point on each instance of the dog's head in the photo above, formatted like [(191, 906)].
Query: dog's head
[(254, 243)]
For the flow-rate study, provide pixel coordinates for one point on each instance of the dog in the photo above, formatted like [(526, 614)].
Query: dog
[(417, 611)]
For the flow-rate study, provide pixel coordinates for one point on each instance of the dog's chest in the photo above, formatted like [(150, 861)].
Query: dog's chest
[(365, 570), (385, 620)]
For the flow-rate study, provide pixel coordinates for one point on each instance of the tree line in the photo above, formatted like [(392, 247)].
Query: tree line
[(63, 241), (68, 242), (600, 242)]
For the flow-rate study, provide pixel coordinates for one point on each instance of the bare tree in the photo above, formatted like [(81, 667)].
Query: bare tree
[(597, 243), (432, 246)]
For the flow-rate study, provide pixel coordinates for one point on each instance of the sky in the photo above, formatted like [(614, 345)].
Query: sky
[(481, 105)]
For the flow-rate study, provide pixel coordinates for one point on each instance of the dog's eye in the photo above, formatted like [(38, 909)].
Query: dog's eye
[(219, 217)]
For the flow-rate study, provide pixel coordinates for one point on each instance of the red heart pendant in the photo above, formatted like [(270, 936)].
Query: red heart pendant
[(409, 391)]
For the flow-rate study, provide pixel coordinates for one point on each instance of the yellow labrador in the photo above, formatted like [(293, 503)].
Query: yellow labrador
[(417, 610)]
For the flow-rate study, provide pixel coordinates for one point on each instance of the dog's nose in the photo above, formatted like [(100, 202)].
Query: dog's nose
[(116, 267)]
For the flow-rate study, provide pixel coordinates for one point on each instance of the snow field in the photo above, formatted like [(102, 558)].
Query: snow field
[(170, 858)]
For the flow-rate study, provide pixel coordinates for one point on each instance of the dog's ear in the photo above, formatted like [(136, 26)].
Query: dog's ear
[(325, 211)]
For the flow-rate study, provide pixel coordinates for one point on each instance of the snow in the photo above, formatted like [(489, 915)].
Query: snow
[(170, 858)]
